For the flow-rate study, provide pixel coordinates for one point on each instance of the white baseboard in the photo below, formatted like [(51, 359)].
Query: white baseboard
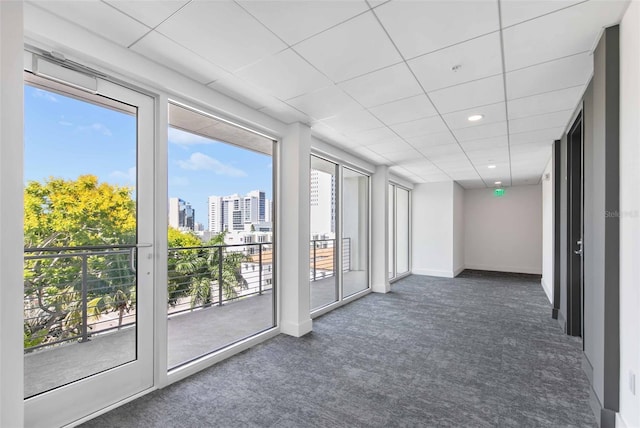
[(510, 269), (295, 329), (431, 272), (458, 270), (547, 289), (620, 422)]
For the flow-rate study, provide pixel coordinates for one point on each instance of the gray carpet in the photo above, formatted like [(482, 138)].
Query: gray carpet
[(479, 350)]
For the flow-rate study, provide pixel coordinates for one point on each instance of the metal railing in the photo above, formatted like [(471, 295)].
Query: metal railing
[(73, 293), (322, 255), (212, 275), (65, 288)]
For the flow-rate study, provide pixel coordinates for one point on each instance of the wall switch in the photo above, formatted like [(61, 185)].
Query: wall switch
[(632, 382)]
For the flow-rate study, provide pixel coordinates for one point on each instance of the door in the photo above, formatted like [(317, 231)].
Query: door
[(575, 280), (88, 278)]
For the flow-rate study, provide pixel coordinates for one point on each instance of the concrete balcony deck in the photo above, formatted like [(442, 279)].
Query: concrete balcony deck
[(191, 334)]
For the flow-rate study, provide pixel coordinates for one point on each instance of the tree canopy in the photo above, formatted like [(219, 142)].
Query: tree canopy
[(78, 212)]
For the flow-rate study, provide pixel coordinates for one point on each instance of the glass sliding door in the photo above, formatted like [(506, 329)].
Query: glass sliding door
[(355, 232), (322, 245), (220, 235), (391, 226), (88, 257), (402, 231)]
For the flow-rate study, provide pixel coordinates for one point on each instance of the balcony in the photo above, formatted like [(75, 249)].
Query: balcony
[(80, 304)]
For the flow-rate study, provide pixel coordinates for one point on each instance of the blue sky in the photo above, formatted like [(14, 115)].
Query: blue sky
[(66, 138)]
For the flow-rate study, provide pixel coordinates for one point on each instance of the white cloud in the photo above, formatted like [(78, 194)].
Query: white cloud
[(128, 177), (178, 181), (65, 123), (183, 138), (201, 162), (96, 127), (39, 93)]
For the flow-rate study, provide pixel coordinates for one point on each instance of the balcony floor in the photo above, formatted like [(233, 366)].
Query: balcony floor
[(191, 335), (479, 350)]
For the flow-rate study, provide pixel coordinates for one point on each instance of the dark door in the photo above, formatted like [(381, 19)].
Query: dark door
[(574, 230)]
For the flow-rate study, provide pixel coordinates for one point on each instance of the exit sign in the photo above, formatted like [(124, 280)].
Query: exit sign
[(498, 192)]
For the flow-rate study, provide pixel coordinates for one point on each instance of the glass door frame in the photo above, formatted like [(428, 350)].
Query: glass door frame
[(394, 226), (68, 403), (341, 165)]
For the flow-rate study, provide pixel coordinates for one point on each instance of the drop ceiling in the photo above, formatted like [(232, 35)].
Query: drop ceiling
[(393, 82)]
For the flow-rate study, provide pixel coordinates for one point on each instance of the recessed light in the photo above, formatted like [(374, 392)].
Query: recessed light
[(491, 167), (475, 117), (497, 183)]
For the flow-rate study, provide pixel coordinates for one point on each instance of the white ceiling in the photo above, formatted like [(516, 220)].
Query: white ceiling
[(376, 77)]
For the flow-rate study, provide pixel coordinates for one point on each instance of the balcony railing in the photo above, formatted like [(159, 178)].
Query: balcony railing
[(73, 293), (322, 255)]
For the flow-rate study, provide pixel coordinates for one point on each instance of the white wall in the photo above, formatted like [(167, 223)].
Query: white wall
[(630, 215), (432, 229), (547, 230), (504, 233), (458, 229)]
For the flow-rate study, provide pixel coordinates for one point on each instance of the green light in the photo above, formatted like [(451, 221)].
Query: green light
[(498, 192)]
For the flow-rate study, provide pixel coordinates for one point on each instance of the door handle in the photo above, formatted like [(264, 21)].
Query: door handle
[(579, 250)]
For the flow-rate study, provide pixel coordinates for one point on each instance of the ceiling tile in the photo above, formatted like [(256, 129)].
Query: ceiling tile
[(483, 158), (389, 147), (544, 135), (467, 95), (550, 76), (542, 121), (436, 151), (482, 131), (285, 75), (416, 128), (99, 18), (491, 113), (294, 21), (165, 51), (418, 27), (516, 11), (437, 139), (284, 112), (485, 144), (324, 103), (398, 156), (566, 32), (531, 149), (476, 58), (564, 99), (222, 32), (382, 86), (374, 136), (150, 13), (242, 91), (368, 49), (404, 110), (472, 184), (353, 121)]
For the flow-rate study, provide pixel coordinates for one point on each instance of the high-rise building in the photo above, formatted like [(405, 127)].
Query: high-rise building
[(233, 212), (181, 214), (323, 202)]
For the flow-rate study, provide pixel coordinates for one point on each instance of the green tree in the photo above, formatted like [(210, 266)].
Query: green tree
[(71, 213)]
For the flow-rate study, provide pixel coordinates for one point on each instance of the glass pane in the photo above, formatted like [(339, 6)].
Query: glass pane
[(355, 232), (322, 246), (391, 241), (80, 230), (402, 231), (220, 265)]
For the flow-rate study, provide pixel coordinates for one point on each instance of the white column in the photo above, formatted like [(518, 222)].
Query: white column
[(380, 230), (11, 210), (293, 231)]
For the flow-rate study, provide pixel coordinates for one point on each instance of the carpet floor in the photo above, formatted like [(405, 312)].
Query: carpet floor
[(480, 350)]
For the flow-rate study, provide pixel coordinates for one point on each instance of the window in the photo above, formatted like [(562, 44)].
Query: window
[(399, 231), (220, 283)]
